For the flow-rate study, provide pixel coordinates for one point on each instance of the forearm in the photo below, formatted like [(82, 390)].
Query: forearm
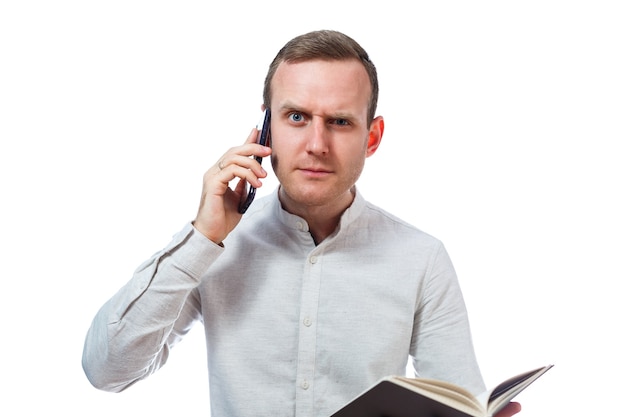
[(131, 335)]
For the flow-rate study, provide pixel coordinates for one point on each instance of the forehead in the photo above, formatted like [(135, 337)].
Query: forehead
[(322, 83)]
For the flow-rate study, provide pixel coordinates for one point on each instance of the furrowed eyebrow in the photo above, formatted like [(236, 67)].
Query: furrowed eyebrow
[(345, 116), (288, 106)]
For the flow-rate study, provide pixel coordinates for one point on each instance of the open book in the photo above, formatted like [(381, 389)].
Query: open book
[(397, 396)]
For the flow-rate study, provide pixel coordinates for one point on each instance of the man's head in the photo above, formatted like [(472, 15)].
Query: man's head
[(324, 45), (322, 91)]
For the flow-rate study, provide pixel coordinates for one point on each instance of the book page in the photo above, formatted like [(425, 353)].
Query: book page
[(445, 393)]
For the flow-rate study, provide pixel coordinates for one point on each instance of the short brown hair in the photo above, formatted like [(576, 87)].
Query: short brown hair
[(326, 45)]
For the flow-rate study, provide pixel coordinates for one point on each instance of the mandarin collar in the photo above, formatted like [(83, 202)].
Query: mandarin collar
[(295, 222)]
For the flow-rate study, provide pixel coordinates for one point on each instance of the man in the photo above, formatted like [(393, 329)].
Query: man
[(314, 294)]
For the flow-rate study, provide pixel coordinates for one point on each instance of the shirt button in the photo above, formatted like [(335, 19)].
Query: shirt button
[(300, 226), (305, 384), (307, 322), (313, 259)]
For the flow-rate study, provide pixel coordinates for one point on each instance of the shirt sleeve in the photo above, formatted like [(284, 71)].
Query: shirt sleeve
[(442, 346), (131, 335)]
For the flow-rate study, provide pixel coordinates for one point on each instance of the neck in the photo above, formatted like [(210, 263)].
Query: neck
[(322, 219), (321, 226)]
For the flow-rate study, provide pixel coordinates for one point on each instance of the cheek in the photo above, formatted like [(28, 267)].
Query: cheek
[(355, 161), (282, 149), (276, 154), (274, 160)]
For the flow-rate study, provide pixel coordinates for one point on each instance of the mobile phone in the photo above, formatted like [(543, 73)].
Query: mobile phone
[(263, 139)]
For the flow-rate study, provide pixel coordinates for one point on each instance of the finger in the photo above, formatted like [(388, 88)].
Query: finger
[(252, 137), (231, 162), (241, 188), (234, 155), (248, 170), (510, 409)]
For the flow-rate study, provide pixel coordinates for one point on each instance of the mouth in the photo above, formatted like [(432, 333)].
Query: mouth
[(315, 172)]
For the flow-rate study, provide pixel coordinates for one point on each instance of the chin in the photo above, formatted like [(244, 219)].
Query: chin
[(315, 195)]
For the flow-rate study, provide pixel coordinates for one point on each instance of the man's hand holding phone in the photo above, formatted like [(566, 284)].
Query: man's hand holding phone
[(221, 207), (263, 139)]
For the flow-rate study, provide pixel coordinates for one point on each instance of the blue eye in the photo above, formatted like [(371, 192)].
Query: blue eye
[(342, 122), (296, 117)]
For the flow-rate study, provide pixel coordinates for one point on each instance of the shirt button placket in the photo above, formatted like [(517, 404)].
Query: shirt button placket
[(307, 335)]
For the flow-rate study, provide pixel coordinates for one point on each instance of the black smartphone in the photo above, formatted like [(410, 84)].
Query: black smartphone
[(263, 139)]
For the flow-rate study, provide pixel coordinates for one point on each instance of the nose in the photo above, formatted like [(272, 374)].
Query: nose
[(318, 140)]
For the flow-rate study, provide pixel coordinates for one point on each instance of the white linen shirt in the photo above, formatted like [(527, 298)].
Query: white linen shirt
[(292, 328)]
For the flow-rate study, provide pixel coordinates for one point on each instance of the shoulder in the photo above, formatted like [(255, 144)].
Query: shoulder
[(386, 222)]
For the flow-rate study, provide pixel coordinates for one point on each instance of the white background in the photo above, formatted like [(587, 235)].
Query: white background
[(505, 128)]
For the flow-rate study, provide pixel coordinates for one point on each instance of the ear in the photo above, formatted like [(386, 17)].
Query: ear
[(377, 127)]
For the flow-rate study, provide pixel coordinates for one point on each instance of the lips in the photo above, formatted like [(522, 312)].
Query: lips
[(316, 169), (315, 172)]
